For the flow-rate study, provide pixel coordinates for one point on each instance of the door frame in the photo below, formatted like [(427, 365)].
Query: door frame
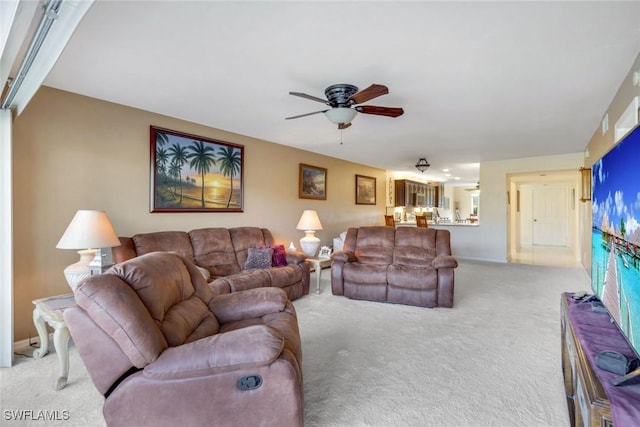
[(513, 214)]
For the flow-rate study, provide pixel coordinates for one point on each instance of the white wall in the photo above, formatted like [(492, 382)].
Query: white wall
[(462, 199), (6, 240), (488, 240)]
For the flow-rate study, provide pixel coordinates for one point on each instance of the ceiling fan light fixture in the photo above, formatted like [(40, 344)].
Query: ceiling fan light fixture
[(340, 115), (422, 164)]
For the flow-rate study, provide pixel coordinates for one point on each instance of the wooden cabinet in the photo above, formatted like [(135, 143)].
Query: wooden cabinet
[(401, 193), (412, 193), (586, 400)]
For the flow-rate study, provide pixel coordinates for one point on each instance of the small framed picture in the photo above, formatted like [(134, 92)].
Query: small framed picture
[(312, 182), (325, 252), (365, 190)]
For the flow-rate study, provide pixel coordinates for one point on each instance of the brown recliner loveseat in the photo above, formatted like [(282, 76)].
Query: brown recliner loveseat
[(407, 265), (222, 254), (164, 351)]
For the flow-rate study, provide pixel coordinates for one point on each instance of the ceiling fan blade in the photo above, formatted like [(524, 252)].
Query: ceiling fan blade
[(371, 92), (313, 98), (305, 115), (344, 125), (380, 111)]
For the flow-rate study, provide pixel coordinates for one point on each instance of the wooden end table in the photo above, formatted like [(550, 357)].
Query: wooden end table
[(318, 264), (49, 311)]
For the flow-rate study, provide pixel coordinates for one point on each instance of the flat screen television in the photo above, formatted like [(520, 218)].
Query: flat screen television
[(615, 237)]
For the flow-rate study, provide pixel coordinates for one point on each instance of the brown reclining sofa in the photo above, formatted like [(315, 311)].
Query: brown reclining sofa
[(222, 254), (164, 350), (407, 265)]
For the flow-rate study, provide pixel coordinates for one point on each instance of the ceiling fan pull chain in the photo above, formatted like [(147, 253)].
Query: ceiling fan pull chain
[(340, 136)]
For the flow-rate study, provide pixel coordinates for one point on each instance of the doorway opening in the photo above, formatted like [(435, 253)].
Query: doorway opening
[(543, 218)]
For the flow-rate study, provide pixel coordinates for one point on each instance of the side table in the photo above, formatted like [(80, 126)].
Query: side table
[(49, 310), (318, 264)]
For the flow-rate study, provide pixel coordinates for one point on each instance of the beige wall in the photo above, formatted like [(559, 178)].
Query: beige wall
[(600, 144), (73, 152)]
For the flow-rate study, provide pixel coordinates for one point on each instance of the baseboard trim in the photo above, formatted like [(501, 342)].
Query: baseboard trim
[(28, 344), (493, 260)]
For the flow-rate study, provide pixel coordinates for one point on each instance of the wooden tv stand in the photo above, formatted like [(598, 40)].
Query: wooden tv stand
[(587, 402), (590, 391)]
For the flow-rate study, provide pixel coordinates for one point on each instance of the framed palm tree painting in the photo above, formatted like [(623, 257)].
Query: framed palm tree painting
[(194, 174)]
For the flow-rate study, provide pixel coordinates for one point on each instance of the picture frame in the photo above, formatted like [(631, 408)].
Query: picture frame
[(365, 190), (312, 182), (325, 252), (190, 173)]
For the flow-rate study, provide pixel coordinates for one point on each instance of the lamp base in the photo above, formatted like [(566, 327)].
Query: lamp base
[(102, 261), (309, 243), (78, 271)]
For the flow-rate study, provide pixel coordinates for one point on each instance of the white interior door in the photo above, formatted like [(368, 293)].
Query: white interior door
[(551, 215)]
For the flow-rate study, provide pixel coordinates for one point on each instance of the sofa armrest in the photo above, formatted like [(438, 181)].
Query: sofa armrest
[(244, 348), (296, 257), (444, 261), (344, 256), (249, 304), (125, 251)]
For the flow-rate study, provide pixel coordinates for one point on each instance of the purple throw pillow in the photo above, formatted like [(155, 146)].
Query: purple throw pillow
[(279, 256)]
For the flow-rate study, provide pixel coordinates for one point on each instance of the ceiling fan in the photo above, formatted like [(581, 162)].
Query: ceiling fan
[(476, 188), (343, 99)]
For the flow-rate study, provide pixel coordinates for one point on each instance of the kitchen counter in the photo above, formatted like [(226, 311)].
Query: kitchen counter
[(445, 224), (456, 224), (467, 239)]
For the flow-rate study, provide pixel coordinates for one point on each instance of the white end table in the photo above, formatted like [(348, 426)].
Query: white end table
[(49, 310), (318, 264)]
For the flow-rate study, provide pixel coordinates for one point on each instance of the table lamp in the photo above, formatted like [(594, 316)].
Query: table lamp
[(309, 222), (90, 231)]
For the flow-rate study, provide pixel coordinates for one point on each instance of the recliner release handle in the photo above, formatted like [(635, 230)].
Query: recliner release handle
[(249, 382)]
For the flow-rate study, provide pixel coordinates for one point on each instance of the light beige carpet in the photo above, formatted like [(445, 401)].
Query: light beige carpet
[(492, 360)]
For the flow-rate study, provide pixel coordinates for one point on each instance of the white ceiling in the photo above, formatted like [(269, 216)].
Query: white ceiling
[(477, 80)]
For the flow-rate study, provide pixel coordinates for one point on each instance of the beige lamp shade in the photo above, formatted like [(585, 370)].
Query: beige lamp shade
[(89, 231), (309, 222)]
